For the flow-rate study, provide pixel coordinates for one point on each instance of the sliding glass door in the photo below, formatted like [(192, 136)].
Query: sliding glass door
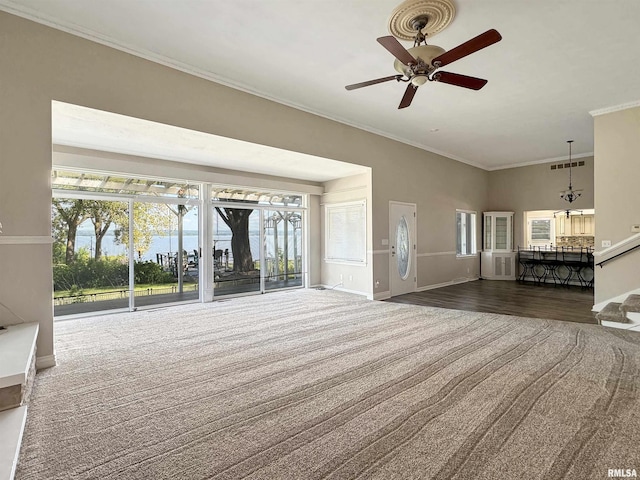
[(283, 249), (90, 260), (236, 250), (258, 241), (166, 251), (128, 243), (123, 243)]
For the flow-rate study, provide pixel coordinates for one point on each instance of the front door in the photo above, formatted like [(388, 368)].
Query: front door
[(402, 248)]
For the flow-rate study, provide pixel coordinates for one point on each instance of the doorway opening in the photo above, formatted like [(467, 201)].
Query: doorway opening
[(548, 229)]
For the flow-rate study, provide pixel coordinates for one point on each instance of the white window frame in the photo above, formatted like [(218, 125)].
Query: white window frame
[(461, 234), (529, 217), (357, 225), (541, 240)]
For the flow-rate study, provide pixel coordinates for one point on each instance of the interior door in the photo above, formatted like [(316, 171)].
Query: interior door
[(402, 248)]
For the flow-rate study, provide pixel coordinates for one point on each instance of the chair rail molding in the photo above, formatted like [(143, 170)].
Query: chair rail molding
[(25, 240)]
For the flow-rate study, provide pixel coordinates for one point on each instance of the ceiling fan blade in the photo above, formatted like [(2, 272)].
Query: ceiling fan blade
[(373, 82), (459, 80), (467, 48), (396, 49), (408, 96)]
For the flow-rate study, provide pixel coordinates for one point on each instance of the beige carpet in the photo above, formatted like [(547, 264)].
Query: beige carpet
[(321, 384)]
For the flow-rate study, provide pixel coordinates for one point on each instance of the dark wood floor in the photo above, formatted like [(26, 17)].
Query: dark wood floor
[(572, 304)]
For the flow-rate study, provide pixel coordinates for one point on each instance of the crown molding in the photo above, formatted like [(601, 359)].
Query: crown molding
[(615, 108)]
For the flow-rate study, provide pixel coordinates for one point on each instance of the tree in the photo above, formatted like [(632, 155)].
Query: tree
[(150, 219), (103, 215), (237, 219), (67, 217)]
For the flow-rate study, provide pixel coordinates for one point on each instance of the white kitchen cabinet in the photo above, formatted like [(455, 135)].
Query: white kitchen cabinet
[(575, 225), (582, 225), (498, 265), (563, 227), (498, 232), (497, 261)]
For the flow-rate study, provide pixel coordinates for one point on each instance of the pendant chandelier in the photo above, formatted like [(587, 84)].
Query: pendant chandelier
[(570, 195)]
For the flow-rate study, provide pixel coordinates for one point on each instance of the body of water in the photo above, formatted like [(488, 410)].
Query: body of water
[(166, 244)]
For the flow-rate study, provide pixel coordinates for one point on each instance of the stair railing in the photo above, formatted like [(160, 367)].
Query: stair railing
[(600, 264), (630, 244)]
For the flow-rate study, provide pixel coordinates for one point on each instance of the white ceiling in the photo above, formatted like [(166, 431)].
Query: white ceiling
[(83, 127), (558, 60)]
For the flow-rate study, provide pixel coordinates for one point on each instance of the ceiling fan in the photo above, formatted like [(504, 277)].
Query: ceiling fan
[(420, 64)]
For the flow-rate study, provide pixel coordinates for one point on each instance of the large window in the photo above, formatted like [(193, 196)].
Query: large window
[(465, 233), (122, 243), (257, 240), (346, 233), (541, 230)]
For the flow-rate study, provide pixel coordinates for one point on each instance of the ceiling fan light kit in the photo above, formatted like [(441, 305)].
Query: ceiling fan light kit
[(416, 20), (423, 54)]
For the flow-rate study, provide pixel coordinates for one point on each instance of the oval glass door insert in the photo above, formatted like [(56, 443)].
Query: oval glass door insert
[(402, 243)]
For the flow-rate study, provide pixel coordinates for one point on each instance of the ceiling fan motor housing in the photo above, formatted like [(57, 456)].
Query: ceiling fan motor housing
[(426, 53)]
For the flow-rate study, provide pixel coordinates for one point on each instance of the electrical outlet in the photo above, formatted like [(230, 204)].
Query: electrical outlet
[(606, 243), (340, 278), (634, 228), (351, 278), (377, 283)]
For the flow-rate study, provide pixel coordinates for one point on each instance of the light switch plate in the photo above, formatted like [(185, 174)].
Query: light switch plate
[(385, 241), (606, 243)]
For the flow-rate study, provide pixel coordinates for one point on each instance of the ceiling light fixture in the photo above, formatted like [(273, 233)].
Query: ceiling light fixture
[(570, 195)]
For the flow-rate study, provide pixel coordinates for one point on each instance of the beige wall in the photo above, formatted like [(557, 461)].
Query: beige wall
[(537, 187), (40, 64), (617, 200), (438, 186), (353, 278)]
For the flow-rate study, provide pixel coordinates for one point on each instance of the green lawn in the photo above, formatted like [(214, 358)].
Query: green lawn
[(140, 287)]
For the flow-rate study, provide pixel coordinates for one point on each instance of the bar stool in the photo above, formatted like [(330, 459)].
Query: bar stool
[(526, 261), (550, 262), (588, 266), (537, 267), (573, 261)]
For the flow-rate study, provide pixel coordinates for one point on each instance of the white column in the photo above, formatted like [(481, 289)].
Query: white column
[(205, 262)]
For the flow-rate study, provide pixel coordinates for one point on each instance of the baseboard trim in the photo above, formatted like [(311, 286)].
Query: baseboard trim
[(46, 361), (346, 290), (339, 289), (381, 295), (446, 284)]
